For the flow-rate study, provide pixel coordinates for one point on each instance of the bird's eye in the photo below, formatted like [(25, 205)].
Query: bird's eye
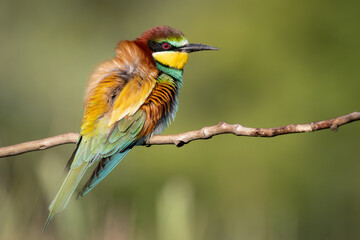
[(165, 45)]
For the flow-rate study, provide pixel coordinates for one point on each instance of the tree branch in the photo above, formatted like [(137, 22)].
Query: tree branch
[(41, 144), (184, 138)]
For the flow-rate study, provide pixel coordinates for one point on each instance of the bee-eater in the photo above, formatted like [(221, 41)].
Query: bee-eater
[(128, 99)]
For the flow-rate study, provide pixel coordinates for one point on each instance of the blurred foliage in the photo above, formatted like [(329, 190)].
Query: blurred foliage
[(280, 62)]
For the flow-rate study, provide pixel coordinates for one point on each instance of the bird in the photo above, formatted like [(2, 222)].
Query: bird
[(128, 99)]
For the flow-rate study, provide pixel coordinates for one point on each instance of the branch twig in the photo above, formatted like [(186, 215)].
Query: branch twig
[(184, 138)]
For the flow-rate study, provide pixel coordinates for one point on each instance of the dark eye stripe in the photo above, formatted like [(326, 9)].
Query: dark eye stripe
[(158, 47)]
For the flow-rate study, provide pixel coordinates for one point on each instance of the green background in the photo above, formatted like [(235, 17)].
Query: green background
[(280, 62)]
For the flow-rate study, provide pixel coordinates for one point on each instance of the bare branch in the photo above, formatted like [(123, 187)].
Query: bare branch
[(36, 145), (184, 138)]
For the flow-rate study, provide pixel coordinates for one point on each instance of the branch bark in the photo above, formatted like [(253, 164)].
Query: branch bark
[(184, 138)]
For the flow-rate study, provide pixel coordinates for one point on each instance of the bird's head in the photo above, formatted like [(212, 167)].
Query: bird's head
[(168, 46)]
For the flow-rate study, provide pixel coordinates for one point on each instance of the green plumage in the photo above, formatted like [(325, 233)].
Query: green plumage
[(110, 148)]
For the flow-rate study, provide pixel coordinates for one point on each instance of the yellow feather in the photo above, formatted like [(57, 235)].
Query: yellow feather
[(97, 105), (131, 98), (172, 59)]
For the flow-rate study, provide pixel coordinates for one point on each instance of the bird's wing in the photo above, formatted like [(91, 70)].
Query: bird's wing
[(111, 124), (114, 132), (124, 135), (104, 111), (126, 122)]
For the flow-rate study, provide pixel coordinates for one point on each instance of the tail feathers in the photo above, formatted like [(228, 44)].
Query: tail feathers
[(66, 190), (104, 167)]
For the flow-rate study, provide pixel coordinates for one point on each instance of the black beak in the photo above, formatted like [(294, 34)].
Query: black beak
[(191, 47)]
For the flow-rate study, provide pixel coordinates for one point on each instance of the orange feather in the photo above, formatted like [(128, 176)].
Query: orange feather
[(118, 88), (157, 105)]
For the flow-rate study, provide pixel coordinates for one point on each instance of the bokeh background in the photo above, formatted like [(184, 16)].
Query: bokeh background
[(280, 62)]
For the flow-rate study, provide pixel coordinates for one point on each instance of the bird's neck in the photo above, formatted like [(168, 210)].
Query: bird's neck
[(176, 74)]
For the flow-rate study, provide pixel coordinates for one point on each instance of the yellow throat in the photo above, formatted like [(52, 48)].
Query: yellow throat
[(172, 59)]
